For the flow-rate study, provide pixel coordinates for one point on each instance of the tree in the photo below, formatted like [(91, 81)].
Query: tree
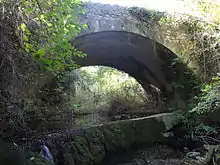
[(46, 29)]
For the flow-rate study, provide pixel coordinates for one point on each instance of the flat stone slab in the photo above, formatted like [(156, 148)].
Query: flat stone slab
[(94, 143)]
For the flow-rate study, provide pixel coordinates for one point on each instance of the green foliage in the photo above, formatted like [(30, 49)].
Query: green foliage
[(209, 100), (209, 10), (47, 29), (204, 129), (198, 30), (97, 87), (196, 120)]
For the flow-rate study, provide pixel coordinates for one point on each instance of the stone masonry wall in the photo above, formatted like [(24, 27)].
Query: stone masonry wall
[(100, 17)]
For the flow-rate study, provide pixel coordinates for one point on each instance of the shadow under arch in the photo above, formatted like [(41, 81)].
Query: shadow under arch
[(148, 61)]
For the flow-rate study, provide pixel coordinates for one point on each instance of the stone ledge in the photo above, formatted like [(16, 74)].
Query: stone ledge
[(96, 142), (89, 146)]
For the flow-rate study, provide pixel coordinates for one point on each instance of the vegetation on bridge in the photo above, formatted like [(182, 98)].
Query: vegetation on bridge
[(197, 30)]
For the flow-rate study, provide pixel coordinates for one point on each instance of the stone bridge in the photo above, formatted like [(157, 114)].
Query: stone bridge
[(136, 42), (133, 41)]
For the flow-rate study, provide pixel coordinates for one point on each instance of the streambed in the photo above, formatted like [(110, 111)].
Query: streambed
[(155, 155)]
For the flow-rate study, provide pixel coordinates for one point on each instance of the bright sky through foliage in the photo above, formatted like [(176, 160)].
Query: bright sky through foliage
[(152, 4), (160, 5)]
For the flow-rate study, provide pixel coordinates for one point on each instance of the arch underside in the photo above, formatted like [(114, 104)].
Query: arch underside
[(142, 58)]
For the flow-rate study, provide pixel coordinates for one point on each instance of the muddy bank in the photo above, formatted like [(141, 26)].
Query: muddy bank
[(154, 155), (166, 155)]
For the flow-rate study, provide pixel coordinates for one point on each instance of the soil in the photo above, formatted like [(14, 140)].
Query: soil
[(156, 155)]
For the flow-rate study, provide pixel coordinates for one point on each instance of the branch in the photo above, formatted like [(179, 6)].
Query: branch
[(38, 4), (2, 62)]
